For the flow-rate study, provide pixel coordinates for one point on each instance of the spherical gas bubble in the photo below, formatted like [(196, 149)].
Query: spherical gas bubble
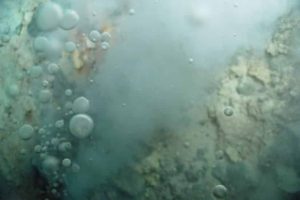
[(13, 90), (75, 168), (94, 36), (105, 37), (81, 105), (66, 162), (35, 71), (64, 146), (50, 163), (40, 43), (48, 16), (81, 125), (131, 11), (45, 96), (70, 46), (26, 132), (69, 20), (228, 111), (68, 92), (220, 191), (59, 123), (53, 68), (105, 45)]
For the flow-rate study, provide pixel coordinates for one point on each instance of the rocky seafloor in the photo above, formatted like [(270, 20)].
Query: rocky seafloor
[(77, 124)]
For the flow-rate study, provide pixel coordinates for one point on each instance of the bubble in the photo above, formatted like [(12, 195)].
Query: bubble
[(50, 163), (59, 123), (48, 16), (94, 36), (55, 141), (81, 105), (131, 11), (75, 168), (66, 162), (42, 131), (105, 37), (37, 148), (53, 68), (45, 83), (40, 43), (70, 46), (26, 132), (105, 45), (228, 111), (64, 146), (69, 20), (45, 96), (81, 125), (68, 92), (5, 38), (35, 71), (13, 90), (220, 191)]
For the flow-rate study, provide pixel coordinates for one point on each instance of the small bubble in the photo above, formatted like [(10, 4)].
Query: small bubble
[(66, 162), (105, 45), (131, 11), (220, 191), (68, 92), (228, 111), (70, 46), (94, 36)]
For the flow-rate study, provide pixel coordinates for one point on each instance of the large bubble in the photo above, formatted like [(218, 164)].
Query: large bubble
[(81, 125), (48, 16)]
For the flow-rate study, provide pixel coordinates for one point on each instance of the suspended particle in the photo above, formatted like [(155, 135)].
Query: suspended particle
[(68, 92)]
